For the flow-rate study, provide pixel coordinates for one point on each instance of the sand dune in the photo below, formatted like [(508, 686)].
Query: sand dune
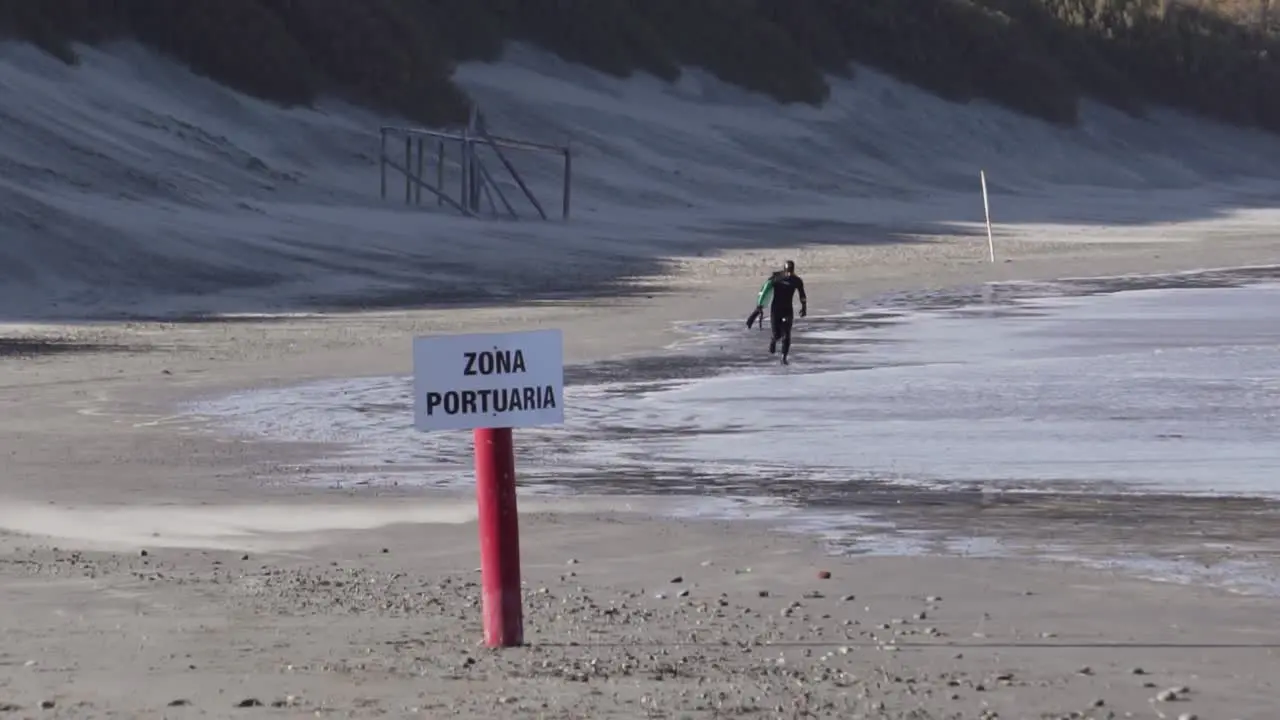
[(127, 185)]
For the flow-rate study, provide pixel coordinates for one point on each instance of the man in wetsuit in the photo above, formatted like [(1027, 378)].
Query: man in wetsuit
[(783, 286)]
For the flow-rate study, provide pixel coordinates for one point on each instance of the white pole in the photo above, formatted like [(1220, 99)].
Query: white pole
[(986, 209)]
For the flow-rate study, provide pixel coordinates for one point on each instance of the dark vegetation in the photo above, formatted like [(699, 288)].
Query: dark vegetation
[(38, 347), (1035, 56)]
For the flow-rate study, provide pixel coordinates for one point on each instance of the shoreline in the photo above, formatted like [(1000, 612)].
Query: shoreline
[(371, 608), (884, 522)]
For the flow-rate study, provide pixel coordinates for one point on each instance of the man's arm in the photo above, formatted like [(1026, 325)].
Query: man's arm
[(804, 299)]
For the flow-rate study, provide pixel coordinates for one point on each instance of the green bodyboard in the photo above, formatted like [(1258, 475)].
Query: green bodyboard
[(766, 291)]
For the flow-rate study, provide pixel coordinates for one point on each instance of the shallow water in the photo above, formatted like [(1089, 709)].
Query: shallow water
[(916, 418), (1171, 390)]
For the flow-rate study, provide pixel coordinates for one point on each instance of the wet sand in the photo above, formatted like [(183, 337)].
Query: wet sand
[(261, 596), (1226, 541)]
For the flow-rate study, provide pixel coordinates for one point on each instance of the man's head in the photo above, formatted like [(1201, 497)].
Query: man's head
[(789, 267)]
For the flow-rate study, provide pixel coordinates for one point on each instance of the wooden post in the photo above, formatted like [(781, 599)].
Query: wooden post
[(568, 175), (465, 164), (382, 162), (408, 169), (440, 170), (417, 195), (473, 187)]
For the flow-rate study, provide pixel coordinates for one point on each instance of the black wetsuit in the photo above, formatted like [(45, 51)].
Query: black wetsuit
[(781, 309)]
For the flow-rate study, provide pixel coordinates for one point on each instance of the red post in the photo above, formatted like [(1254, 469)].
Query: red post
[(499, 537)]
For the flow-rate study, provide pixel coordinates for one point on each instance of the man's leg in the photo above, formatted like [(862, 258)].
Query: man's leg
[(786, 336), (777, 325)]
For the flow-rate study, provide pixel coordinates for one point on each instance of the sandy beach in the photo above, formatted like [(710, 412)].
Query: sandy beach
[(153, 568)]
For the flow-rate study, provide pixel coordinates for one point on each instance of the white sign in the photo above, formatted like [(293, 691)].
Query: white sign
[(489, 380)]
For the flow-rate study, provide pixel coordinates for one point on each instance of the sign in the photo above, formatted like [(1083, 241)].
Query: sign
[(488, 380)]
